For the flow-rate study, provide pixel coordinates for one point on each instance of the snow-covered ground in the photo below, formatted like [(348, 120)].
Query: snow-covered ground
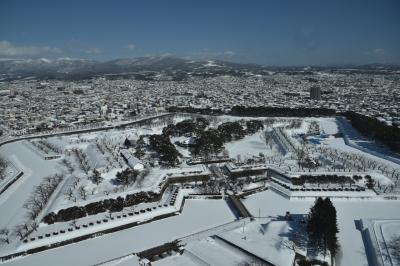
[(249, 146), (197, 215), (328, 125), (211, 251), (382, 239), (264, 238), (356, 140), (353, 252), (8, 174), (35, 169)]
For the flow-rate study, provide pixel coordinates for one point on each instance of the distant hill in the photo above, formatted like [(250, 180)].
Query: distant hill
[(176, 67)]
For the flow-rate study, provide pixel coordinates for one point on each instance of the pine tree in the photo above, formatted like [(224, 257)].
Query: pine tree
[(315, 225), (127, 143), (322, 227), (96, 177), (332, 229)]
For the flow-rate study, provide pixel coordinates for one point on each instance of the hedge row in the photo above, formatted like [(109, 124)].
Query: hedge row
[(324, 179), (112, 205)]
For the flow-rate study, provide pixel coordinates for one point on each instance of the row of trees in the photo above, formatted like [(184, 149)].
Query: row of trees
[(339, 179), (258, 111), (50, 146), (203, 111), (111, 205), (3, 166), (34, 205), (46, 147), (375, 129), (41, 195), (212, 140), (82, 159), (358, 162), (281, 111), (194, 126)]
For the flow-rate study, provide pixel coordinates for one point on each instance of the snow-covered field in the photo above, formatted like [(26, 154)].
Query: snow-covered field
[(35, 169), (102, 152), (210, 250), (264, 238), (197, 215), (248, 147), (382, 238), (8, 173), (353, 252)]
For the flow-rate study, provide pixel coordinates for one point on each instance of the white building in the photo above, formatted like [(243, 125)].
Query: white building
[(132, 161)]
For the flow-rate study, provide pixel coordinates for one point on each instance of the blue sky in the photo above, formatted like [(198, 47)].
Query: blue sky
[(285, 32)]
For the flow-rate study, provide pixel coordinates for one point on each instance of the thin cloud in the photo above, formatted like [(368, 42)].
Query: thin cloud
[(7, 49), (229, 53), (94, 50), (379, 51), (207, 54), (131, 46)]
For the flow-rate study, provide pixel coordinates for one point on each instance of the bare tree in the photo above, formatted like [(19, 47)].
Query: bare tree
[(5, 235), (82, 192), (394, 248), (69, 193), (19, 231), (34, 226)]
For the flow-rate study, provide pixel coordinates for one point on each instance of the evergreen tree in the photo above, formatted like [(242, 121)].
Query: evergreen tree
[(127, 143), (96, 177), (126, 177), (370, 183), (315, 224), (331, 240), (322, 227)]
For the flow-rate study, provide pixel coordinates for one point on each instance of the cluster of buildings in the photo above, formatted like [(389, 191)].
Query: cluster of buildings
[(28, 105)]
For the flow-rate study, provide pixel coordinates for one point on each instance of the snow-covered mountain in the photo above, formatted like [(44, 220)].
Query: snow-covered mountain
[(82, 68), (43, 66), (71, 67)]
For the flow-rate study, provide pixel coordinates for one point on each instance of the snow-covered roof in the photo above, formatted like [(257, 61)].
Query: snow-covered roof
[(131, 160)]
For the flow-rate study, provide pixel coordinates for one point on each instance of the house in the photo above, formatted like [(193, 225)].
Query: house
[(188, 142)]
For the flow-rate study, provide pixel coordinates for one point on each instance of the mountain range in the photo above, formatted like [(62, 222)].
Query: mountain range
[(82, 68)]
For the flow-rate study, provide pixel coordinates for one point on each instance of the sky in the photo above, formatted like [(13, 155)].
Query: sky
[(281, 32)]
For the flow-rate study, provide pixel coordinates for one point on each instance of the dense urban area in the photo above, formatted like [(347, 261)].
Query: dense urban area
[(29, 105)]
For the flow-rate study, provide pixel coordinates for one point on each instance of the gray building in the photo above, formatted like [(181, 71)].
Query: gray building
[(315, 93)]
